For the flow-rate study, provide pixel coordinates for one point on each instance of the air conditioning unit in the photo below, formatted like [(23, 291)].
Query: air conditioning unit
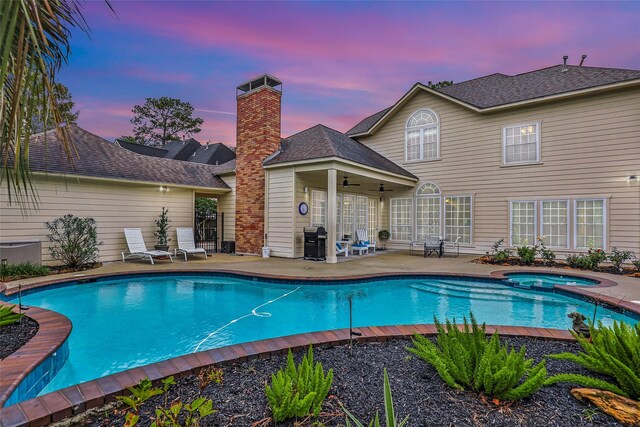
[(18, 251)]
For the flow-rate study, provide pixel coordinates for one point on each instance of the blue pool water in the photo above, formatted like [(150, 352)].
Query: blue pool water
[(549, 280), (123, 323)]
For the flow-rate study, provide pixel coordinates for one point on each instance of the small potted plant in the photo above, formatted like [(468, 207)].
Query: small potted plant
[(384, 235), (162, 231)]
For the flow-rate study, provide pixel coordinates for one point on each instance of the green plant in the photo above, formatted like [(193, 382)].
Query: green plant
[(143, 392), (527, 254), (162, 228), (209, 375), (192, 413), (205, 206), (498, 255), (636, 263), (74, 240), (389, 411), (614, 352), (7, 316), (546, 254), (24, 269), (299, 390), (384, 235), (596, 256), (581, 261), (465, 359), (618, 257)]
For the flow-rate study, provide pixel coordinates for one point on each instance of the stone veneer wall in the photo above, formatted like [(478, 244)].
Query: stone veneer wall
[(258, 136)]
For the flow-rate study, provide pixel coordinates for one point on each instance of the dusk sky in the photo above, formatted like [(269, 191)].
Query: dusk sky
[(339, 62)]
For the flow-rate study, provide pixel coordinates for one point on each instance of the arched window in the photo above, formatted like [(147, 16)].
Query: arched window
[(422, 136), (428, 211)]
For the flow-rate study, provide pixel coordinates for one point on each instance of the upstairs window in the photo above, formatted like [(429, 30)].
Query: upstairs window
[(422, 136), (521, 144)]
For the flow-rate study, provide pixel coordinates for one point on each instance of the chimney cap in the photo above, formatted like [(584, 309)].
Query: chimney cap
[(264, 80)]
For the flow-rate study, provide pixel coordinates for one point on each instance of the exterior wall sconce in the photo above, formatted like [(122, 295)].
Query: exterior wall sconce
[(306, 189), (633, 178), (163, 189)]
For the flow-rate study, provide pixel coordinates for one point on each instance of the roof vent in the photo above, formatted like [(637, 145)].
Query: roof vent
[(564, 64), (264, 80), (582, 60)]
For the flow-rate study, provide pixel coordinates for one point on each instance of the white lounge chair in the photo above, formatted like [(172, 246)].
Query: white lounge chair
[(187, 244), (342, 249), (362, 235), (137, 248)]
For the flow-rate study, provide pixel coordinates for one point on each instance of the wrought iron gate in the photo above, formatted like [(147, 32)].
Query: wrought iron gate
[(206, 231)]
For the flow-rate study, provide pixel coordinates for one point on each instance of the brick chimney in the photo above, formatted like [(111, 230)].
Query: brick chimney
[(258, 136)]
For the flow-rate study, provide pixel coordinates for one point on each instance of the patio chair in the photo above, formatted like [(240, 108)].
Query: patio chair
[(454, 245), (137, 248), (413, 245), (433, 245), (187, 244), (342, 249), (362, 235)]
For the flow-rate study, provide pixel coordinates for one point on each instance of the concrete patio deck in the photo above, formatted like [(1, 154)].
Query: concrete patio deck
[(628, 288)]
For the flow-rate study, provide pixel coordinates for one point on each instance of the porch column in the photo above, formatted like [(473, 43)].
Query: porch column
[(332, 206)]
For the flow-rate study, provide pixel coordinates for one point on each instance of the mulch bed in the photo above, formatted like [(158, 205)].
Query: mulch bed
[(417, 392), (12, 337), (514, 261), (56, 269)]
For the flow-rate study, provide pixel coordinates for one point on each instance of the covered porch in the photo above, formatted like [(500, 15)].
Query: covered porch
[(341, 196)]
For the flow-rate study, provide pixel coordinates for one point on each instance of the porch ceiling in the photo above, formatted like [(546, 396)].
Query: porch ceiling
[(357, 174), (367, 185)]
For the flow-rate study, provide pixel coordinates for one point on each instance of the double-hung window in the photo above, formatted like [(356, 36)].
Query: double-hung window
[(422, 136), (523, 223), (401, 213), (555, 223), (318, 208), (457, 218), (589, 223), (521, 144)]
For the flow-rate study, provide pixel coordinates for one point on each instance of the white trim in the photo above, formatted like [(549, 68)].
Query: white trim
[(421, 143), (541, 203), (538, 125), (535, 220), (575, 221), (411, 219), (471, 219)]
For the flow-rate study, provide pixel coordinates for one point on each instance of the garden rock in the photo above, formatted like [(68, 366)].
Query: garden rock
[(625, 410)]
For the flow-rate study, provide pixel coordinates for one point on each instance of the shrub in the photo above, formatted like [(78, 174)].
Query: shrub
[(299, 390), (24, 269), (190, 414), (389, 412), (636, 264), (499, 255), (527, 254), (614, 352), (466, 359), (596, 256), (162, 228), (618, 258), (578, 261), (546, 254), (7, 316), (384, 235), (74, 240)]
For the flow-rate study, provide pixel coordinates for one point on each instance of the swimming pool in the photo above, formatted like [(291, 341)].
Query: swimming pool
[(548, 280), (122, 323)]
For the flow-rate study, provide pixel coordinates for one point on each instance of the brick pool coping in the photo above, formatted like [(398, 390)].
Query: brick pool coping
[(73, 400), (53, 331)]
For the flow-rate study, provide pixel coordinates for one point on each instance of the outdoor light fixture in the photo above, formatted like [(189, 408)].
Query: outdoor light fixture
[(163, 189), (633, 178), (306, 189)]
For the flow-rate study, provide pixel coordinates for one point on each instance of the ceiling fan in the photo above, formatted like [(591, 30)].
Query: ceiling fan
[(381, 190), (345, 183)]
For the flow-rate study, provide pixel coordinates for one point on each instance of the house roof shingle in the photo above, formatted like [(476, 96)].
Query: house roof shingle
[(212, 154), (97, 157), (500, 89), (322, 142), (142, 149)]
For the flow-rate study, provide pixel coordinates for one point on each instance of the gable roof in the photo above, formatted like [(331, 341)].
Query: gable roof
[(212, 154), (181, 150), (322, 142), (497, 90), (96, 157), (141, 149)]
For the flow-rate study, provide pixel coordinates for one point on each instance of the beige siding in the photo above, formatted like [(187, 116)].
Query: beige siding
[(302, 221), (589, 146), (280, 210), (113, 205), (227, 205)]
